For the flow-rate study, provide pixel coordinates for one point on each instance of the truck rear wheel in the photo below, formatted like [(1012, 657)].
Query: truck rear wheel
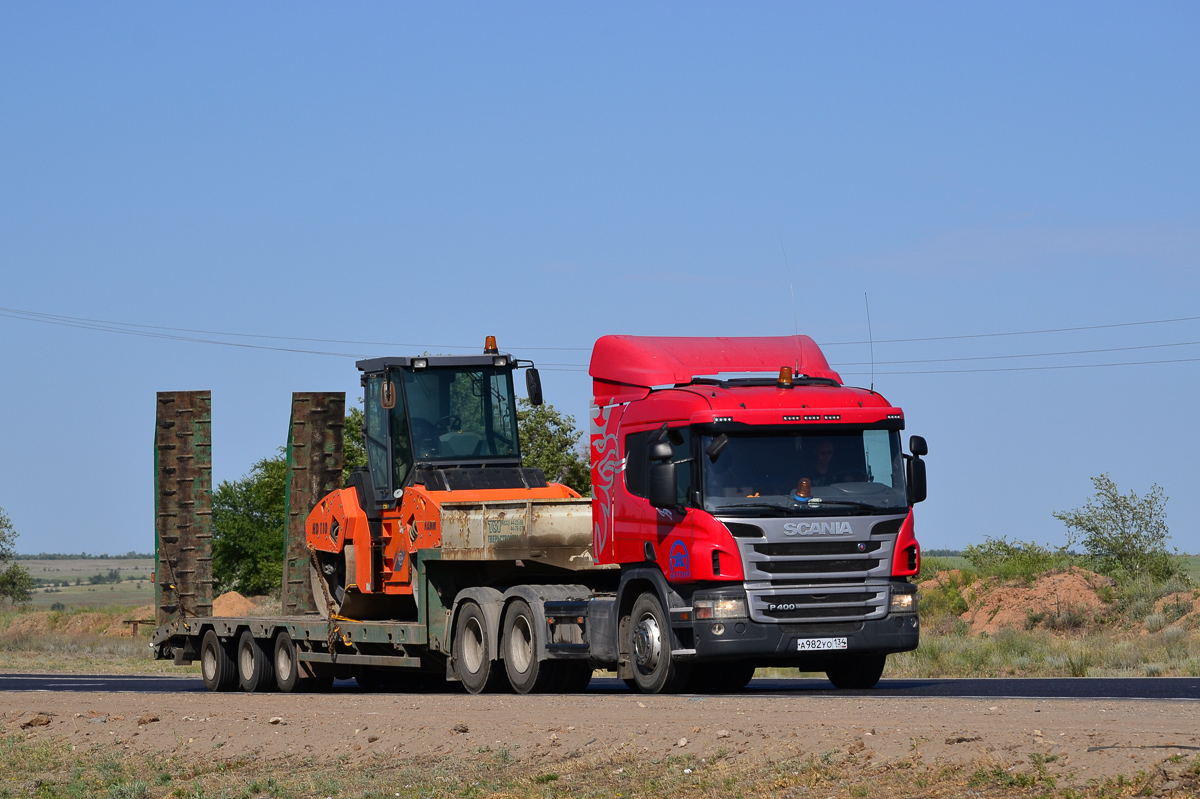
[(216, 665), (649, 645), (526, 674), (859, 673), (255, 670), (473, 651)]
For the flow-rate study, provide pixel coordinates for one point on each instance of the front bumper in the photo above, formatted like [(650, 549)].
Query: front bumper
[(776, 644)]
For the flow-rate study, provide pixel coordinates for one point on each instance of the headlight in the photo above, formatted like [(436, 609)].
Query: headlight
[(720, 608), (903, 603)]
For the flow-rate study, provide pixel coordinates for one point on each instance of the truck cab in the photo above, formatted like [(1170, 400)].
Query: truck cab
[(767, 506)]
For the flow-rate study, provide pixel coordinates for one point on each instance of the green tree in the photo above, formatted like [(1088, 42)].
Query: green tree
[(550, 442), (1126, 535), (353, 445), (15, 583), (248, 529)]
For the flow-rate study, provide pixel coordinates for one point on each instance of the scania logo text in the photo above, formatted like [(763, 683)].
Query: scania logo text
[(817, 528)]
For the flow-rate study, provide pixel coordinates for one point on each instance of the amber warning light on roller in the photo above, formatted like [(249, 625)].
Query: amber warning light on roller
[(785, 377), (489, 346)]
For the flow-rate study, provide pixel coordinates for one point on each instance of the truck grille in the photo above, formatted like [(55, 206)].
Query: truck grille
[(818, 579), (790, 606)]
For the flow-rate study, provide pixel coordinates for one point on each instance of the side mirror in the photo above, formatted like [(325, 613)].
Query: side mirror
[(917, 446), (533, 386), (387, 394), (917, 488), (661, 488)]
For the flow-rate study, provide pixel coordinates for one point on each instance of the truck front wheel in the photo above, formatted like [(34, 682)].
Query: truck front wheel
[(649, 647), (858, 673), (216, 666)]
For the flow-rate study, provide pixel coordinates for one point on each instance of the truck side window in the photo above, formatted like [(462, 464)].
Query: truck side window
[(636, 463)]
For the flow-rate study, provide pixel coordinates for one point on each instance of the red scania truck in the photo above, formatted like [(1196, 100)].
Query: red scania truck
[(748, 510)]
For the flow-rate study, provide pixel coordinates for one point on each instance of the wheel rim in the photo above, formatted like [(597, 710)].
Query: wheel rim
[(208, 662), (647, 642), (246, 661), (283, 664), (520, 648), (472, 646)]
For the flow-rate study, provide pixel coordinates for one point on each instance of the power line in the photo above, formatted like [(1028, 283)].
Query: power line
[(1015, 332), (116, 327), (1032, 368), (1029, 355), (156, 332)]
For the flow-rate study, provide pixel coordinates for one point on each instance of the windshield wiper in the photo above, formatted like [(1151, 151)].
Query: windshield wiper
[(782, 510)]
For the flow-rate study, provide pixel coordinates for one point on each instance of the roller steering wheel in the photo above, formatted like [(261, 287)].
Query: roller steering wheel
[(451, 421)]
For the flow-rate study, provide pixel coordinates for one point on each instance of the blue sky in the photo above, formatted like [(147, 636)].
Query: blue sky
[(551, 173)]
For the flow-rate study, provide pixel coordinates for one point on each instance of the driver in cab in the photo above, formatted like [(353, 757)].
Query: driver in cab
[(818, 471)]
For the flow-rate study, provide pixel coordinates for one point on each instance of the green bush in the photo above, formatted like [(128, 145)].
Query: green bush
[(1016, 560), (1125, 535)]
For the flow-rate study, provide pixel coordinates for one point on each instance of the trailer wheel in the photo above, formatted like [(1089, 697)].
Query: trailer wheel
[(473, 651), (287, 666), (216, 665), (857, 673), (526, 674), (649, 631), (255, 670)]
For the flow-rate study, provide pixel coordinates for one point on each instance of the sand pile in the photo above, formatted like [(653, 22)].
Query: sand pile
[(1071, 593), (231, 603)]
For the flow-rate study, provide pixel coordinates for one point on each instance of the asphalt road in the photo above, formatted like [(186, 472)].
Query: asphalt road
[(1170, 688)]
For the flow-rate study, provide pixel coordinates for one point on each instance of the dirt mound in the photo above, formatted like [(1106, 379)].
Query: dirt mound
[(1181, 608), (1059, 601), (42, 623), (231, 603)]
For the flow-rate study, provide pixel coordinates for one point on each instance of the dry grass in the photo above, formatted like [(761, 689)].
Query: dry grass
[(81, 640), (49, 769)]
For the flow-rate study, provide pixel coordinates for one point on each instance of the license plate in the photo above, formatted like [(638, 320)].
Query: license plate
[(816, 644)]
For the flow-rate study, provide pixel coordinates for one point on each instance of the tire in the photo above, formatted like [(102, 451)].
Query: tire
[(719, 678), (287, 666), (256, 672), (649, 647), (526, 674), (859, 673), (216, 664), (474, 656)]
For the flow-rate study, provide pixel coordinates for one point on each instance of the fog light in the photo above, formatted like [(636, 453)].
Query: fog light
[(903, 603), (718, 629)]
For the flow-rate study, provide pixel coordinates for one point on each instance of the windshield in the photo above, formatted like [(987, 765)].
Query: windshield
[(833, 473), (461, 414)]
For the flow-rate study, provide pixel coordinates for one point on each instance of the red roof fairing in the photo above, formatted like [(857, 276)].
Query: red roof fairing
[(624, 367)]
